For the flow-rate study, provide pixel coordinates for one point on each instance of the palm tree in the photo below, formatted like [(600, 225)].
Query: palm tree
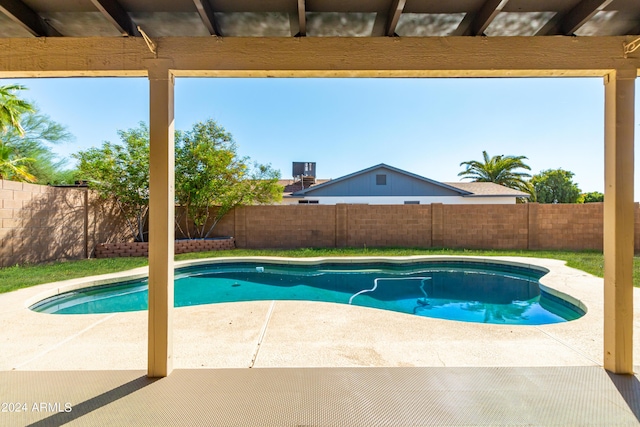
[(40, 133), (14, 168), (499, 169), (12, 107)]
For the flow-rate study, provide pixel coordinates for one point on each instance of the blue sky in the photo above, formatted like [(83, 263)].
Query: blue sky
[(425, 126)]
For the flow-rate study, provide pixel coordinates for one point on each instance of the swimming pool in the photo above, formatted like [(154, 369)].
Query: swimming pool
[(472, 291)]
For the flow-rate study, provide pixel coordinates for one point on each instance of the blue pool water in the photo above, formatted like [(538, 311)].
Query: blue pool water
[(464, 291)]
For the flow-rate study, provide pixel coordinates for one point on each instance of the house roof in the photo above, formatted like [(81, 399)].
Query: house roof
[(291, 185), (487, 189), (336, 18), (372, 168), (464, 189)]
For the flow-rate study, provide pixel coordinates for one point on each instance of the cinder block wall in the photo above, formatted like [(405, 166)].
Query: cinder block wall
[(224, 227), (388, 225), (521, 226), (41, 223), (485, 226), (287, 226), (568, 226)]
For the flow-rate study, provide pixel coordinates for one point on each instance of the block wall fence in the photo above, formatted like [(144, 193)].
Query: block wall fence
[(41, 223), (521, 226)]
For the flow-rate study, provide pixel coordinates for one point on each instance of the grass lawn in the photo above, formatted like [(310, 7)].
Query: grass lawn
[(17, 277)]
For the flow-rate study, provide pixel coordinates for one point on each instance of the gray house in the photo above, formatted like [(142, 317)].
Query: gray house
[(386, 185)]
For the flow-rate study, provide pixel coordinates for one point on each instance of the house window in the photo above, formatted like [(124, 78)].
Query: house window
[(381, 179), (308, 202), (412, 202)]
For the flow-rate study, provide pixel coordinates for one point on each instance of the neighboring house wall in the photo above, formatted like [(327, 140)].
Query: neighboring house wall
[(395, 184), (289, 201), (401, 200), (386, 185)]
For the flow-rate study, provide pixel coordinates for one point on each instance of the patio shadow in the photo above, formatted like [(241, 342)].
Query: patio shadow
[(95, 403), (629, 388)]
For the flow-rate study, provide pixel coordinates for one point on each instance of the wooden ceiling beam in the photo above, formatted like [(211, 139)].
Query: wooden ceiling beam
[(475, 24), (395, 10), (208, 17), (568, 23), (24, 16), (319, 56), (302, 19), (117, 16), (636, 29)]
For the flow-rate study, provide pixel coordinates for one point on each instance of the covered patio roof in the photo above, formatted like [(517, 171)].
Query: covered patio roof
[(318, 18), (321, 38), (341, 38)]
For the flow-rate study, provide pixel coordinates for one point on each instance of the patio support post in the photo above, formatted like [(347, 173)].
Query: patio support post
[(618, 220), (161, 220)]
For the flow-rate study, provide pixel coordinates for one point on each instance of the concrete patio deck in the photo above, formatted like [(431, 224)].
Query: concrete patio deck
[(532, 365), (353, 397)]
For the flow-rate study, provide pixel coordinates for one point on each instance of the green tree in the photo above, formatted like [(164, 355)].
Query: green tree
[(12, 167), (501, 170), (39, 132), (555, 186), (121, 173), (593, 197), (12, 107), (210, 173)]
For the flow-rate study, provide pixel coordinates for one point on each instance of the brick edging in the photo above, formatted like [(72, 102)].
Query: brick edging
[(141, 249)]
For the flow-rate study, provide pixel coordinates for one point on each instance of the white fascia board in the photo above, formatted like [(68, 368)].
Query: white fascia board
[(424, 200)]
